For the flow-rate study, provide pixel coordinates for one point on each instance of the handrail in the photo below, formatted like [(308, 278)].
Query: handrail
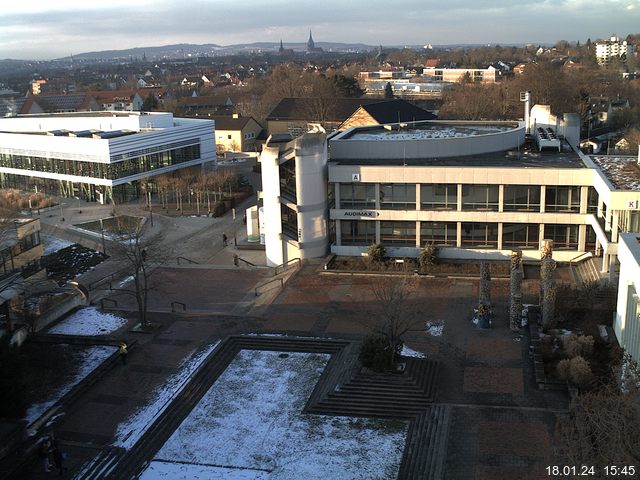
[(583, 254), (246, 261), (269, 282), (173, 306), (187, 259), (285, 266)]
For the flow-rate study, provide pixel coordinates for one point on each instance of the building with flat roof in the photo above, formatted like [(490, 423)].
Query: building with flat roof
[(613, 48), (477, 190), (627, 321), (99, 156)]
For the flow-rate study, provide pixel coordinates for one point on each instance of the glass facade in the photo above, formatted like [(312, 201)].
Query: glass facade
[(398, 196), (439, 196), (565, 237), (354, 232), (289, 222), (592, 201), (399, 234), (111, 171), (523, 236), (287, 174), (439, 233), (358, 195), (521, 198), (562, 199), (480, 197), (480, 235)]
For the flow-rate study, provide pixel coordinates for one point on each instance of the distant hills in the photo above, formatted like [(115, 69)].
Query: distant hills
[(182, 50)]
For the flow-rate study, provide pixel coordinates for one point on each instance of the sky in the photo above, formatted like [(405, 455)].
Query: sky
[(45, 29)]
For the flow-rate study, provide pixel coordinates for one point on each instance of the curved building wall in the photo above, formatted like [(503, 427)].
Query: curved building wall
[(347, 147), (311, 186)]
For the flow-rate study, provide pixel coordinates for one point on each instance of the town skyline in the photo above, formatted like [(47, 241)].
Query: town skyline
[(40, 31)]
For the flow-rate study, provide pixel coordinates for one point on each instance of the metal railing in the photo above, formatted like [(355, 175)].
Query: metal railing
[(259, 287), (186, 259), (284, 266)]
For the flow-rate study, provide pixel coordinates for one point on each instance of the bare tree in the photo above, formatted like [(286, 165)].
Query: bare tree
[(142, 252), (397, 311)]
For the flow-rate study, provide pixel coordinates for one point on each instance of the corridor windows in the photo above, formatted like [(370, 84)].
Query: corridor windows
[(398, 196), (439, 196), (521, 198), (358, 195), (480, 197)]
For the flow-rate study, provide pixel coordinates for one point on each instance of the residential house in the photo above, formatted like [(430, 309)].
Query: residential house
[(235, 133), (391, 111)]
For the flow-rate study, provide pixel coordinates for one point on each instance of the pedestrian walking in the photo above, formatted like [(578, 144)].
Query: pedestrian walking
[(43, 452), (224, 239), (122, 350), (58, 459)]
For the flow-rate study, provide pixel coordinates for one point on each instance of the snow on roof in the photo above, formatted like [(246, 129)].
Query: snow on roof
[(428, 131), (622, 172)]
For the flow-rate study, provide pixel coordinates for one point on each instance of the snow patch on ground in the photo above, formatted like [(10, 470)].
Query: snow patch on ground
[(435, 328), (88, 321), (52, 244), (188, 471), (130, 431), (251, 419), (88, 360), (408, 352)]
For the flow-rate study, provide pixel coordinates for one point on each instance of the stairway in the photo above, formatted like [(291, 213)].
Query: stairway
[(586, 272)]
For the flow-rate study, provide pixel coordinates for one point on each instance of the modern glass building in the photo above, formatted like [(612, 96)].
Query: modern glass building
[(99, 156)]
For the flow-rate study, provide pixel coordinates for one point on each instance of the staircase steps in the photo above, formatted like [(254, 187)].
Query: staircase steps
[(425, 451), (101, 465)]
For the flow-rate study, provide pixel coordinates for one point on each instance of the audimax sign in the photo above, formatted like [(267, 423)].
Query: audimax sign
[(361, 213)]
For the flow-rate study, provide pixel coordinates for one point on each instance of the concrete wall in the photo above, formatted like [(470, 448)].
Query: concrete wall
[(627, 317)]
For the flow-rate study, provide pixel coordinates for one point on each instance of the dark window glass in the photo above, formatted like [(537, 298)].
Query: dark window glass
[(521, 198), (523, 236), (439, 197), (398, 196), (480, 197), (358, 232), (565, 237), (398, 233), (357, 195), (562, 199), (480, 235), (438, 233)]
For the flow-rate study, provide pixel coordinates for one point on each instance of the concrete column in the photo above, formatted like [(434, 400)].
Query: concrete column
[(500, 203), (607, 220), (584, 197), (615, 216), (378, 228), (600, 207), (459, 234), (459, 201), (541, 236), (605, 263), (418, 196), (500, 232), (543, 199), (418, 237), (338, 232), (582, 238), (612, 267), (377, 191), (336, 193)]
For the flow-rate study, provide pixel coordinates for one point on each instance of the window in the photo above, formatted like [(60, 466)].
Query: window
[(439, 233), (398, 233), (398, 196), (480, 197), (480, 235), (228, 137), (288, 179), (520, 236), (357, 195), (289, 222), (521, 198), (439, 197), (562, 199), (592, 201), (565, 237), (358, 232)]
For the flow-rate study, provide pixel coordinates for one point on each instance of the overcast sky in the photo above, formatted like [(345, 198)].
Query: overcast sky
[(45, 29)]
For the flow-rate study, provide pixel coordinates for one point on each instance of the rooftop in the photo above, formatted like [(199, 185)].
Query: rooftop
[(526, 157), (428, 130), (622, 172)]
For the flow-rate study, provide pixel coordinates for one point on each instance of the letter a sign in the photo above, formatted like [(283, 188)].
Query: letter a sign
[(355, 177)]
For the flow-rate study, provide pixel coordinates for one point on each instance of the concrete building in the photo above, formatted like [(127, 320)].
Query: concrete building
[(476, 189), (99, 156), (613, 48), (627, 321)]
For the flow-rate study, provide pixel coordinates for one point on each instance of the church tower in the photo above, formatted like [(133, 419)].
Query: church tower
[(311, 46)]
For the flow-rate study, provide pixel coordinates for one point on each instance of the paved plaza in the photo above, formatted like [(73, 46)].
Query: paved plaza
[(499, 426)]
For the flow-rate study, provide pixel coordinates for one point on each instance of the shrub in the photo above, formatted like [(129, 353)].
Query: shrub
[(580, 372), (376, 253), (428, 255), (578, 345), (375, 353)]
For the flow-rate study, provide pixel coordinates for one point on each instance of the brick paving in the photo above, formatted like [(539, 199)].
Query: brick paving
[(500, 426)]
